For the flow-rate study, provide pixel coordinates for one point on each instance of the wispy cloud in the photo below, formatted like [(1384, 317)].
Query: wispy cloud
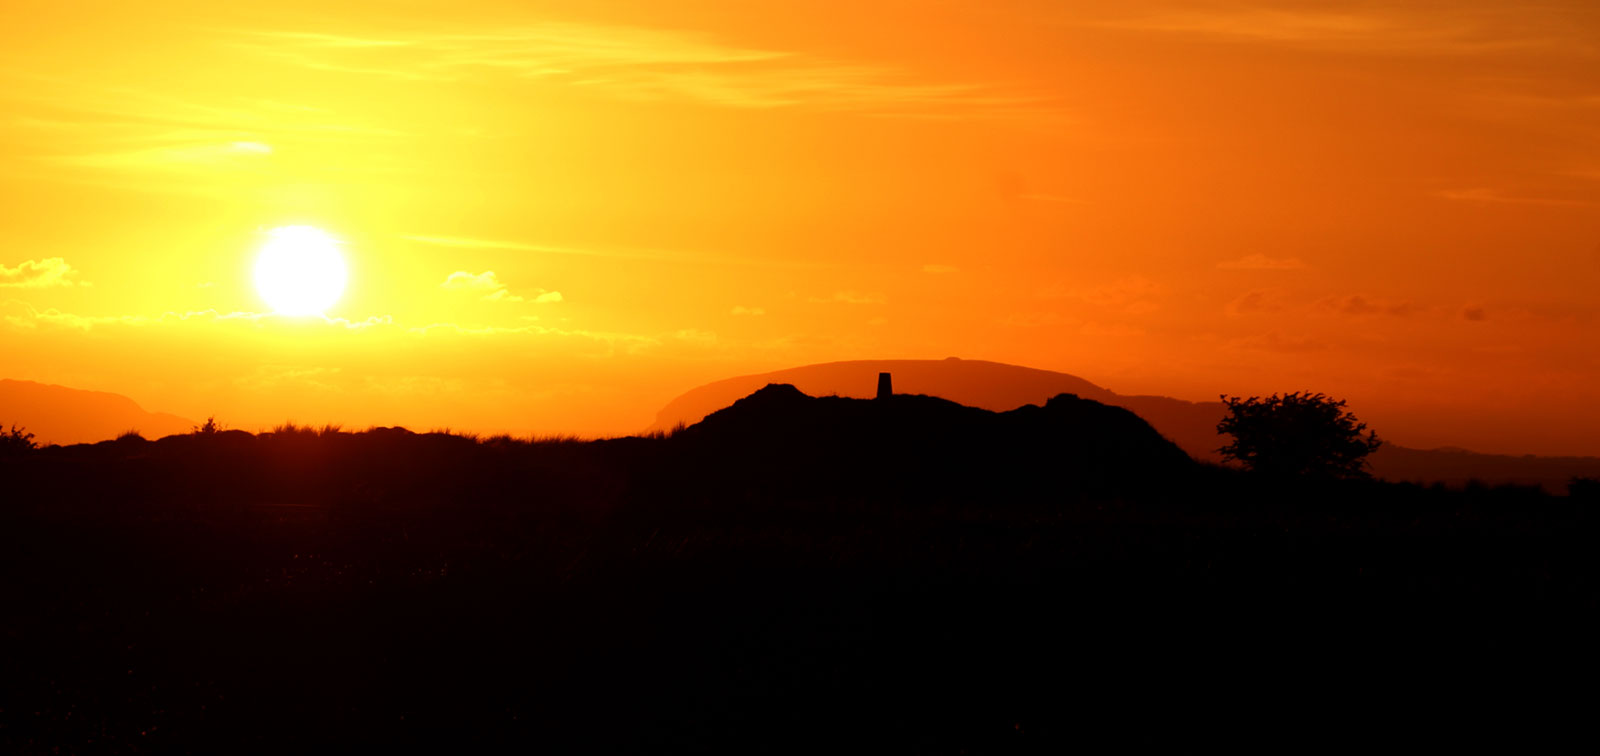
[(462, 242), (696, 337), (23, 316), (751, 311), (1257, 302), (642, 64), (180, 155), (1262, 262), (851, 297), (936, 270), (532, 49), (1444, 30), (1133, 295), (1358, 306), (84, 123), (612, 341), (40, 274), (268, 377), (1274, 341), (1057, 199), (486, 283), (1490, 196), (492, 289), (471, 243), (1035, 320), (614, 253)]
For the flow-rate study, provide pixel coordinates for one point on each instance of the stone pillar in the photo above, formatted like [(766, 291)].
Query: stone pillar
[(885, 386)]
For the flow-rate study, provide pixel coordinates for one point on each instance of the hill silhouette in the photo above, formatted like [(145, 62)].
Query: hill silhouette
[(975, 383), (924, 441), (1192, 426), (793, 572), (62, 415)]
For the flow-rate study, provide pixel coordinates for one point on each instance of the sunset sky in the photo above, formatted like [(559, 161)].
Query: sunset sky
[(557, 216)]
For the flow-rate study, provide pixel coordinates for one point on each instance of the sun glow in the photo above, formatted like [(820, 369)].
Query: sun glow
[(299, 270)]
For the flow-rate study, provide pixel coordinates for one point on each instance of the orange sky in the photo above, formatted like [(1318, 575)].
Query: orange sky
[(1395, 203)]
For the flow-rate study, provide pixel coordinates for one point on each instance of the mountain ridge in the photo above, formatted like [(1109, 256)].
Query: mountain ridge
[(64, 415)]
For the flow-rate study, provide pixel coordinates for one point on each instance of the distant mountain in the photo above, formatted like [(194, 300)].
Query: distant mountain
[(1191, 425), (61, 415)]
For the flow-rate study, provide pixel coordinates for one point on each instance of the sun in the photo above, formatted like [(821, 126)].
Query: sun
[(299, 270)]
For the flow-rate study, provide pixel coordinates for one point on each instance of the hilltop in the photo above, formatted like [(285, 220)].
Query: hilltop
[(923, 441)]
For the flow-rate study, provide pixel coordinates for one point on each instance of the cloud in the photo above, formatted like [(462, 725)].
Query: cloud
[(851, 297), (696, 336), (1256, 302), (1273, 341), (24, 316), (462, 280), (1262, 262), (1474, 314), (1134, 295), (611, 341), (751, 311), (183, 155), (40, 274), (269, 377), (492, 288), (640, 63), (469, 243), (1359, 306), (618, 254), (1056, 199), (936, 270), (501, 295), (92, 129), (1449, 30), (1034, 320), (1490, 196)]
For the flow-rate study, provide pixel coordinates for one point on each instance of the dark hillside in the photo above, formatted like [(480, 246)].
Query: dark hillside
[(921, 444), (794, 574)]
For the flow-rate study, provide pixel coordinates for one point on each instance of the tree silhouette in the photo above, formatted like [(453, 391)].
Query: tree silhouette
[(16, 442), (1297, 435)]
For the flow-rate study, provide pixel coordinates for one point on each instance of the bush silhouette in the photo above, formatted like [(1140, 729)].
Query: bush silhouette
[(1296, 435), (16, 442), (211, 427)]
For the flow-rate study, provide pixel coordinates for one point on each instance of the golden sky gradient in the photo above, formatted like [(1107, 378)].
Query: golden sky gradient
[(559, 215)]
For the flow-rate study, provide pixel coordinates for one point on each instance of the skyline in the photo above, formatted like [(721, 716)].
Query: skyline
[(559, 221)]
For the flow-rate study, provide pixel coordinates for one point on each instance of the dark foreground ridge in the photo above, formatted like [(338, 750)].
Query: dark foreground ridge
[(793, 574)]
